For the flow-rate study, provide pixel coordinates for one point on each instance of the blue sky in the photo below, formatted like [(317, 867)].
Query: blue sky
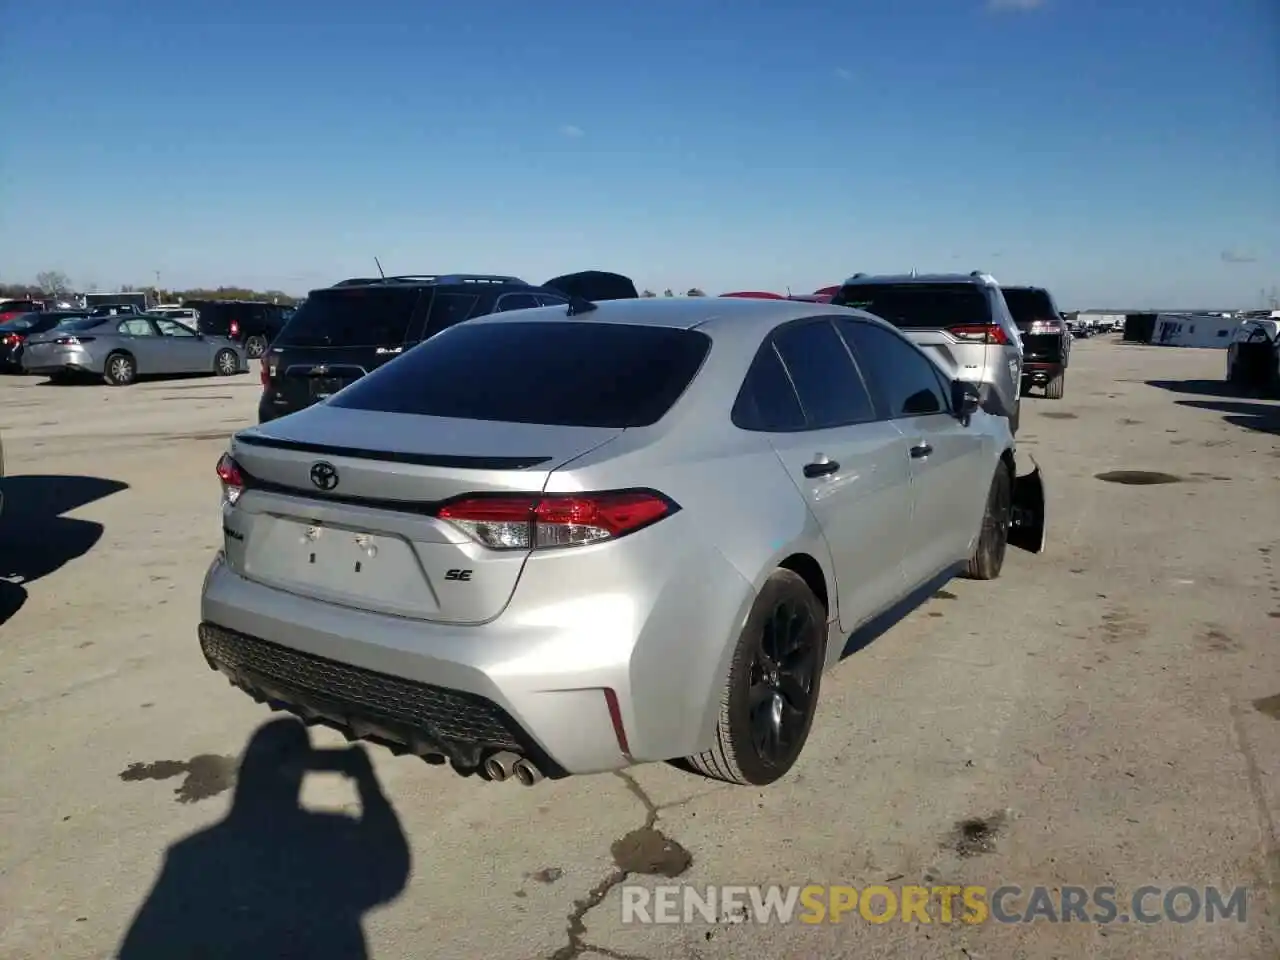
[(1123, 153)]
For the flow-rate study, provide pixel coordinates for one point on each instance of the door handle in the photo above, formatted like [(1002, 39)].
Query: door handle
[(820, 468), (920, 451)]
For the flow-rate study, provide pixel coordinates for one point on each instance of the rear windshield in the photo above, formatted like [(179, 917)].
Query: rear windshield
[(24, 321), (1028, 306), (18, 306), (83, 323), (571, 374), (908, 305), (352, 317)]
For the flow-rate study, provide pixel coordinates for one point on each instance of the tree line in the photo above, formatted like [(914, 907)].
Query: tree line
[(55, 285)]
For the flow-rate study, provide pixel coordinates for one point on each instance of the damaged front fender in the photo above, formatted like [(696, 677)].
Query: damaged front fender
[(1027, 520)]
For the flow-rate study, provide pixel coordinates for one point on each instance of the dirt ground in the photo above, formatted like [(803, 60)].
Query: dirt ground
[(1107, 713)]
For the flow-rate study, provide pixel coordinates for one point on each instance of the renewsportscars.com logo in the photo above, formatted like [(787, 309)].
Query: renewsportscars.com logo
[(814, 904)]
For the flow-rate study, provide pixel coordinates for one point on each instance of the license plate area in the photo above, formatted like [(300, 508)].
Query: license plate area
[(324, 387), (340, 564)]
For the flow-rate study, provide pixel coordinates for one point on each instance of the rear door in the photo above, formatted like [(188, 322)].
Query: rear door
[(849, 465), (140, 337), (337, 337), (947, 460)]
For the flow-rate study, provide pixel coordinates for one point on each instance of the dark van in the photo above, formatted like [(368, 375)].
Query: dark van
[(254, 323), (342, 332)]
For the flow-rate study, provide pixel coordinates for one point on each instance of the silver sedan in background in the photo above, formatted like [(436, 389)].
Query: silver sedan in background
[(121, 349)]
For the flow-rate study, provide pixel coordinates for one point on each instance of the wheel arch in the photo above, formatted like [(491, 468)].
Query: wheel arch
[(121, 351)]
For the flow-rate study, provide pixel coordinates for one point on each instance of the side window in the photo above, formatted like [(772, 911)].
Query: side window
[(137, 327), (767, 400), (830, 388), (171, 328), (448, 309), (515, 301), (906, 381), (551, 300)]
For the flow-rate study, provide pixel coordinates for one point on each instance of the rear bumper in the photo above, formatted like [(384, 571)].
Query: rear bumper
[(537, 681), (1039, 371), (60, 360)]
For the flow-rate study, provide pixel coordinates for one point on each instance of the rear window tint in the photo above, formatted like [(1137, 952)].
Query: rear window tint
[(556, 373), (23, 321), (448, 309), (919, 305), (1028, 306), (352, 317)]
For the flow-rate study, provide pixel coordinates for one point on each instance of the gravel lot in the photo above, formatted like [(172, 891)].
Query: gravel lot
[(1109, 713)]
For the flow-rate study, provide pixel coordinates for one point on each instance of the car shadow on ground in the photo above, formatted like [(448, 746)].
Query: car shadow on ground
[(88, 380), (878, 626), (274, 879), (1261, 417), (35, 538)]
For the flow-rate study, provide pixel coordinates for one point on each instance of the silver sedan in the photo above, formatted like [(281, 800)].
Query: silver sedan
[(121, 349)]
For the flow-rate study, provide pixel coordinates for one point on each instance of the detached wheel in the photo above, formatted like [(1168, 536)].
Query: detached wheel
[(226, 363), (987, 559), (255, 347), (120, 370), (768, 702), (1056, 387)]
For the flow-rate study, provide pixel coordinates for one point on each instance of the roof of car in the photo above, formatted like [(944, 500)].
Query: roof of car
[(976, 277), (713, 314)]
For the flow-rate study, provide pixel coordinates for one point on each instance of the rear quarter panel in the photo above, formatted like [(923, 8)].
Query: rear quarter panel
[(741, 516)]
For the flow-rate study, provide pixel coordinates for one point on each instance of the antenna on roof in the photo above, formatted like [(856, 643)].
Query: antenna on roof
[(379, 266), (788, 291), (913, 272), (579, 306)]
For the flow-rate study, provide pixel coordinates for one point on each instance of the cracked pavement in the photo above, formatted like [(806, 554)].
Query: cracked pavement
[(1105, 713)]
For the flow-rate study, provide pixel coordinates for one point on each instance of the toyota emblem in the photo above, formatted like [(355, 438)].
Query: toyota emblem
[(323, 475)]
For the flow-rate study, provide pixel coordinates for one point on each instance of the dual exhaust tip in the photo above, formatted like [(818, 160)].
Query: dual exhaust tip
[(505, 765)]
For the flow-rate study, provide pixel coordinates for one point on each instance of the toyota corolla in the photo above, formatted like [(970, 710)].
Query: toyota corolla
[(567, 540)]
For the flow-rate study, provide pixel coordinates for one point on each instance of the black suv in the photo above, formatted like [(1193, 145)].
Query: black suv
[(1046, 339), (342, 332), (254, 323)]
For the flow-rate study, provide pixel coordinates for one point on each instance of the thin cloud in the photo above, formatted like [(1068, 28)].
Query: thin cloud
[(571, 131), (1235, 256), (1014, 6), (842, 74)]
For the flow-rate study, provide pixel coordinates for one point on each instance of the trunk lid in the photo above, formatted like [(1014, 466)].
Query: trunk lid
[(338, 507)]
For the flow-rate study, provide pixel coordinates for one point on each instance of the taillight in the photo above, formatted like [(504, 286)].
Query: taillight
[(980, 333), (12, 339), (235, 329), (232, 479), (73, 341), (266, 374), (542, 521)]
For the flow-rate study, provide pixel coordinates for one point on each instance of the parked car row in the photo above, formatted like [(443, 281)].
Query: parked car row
[(580, 532)]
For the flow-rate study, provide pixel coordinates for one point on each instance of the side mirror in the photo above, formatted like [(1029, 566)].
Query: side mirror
[(965, 399)]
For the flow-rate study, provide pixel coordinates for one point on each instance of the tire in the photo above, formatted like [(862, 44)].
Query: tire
[(1056, 387), (987, 559), (737, 756), (255, 347), (120, 370), (1024, 387), (226, 363)]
